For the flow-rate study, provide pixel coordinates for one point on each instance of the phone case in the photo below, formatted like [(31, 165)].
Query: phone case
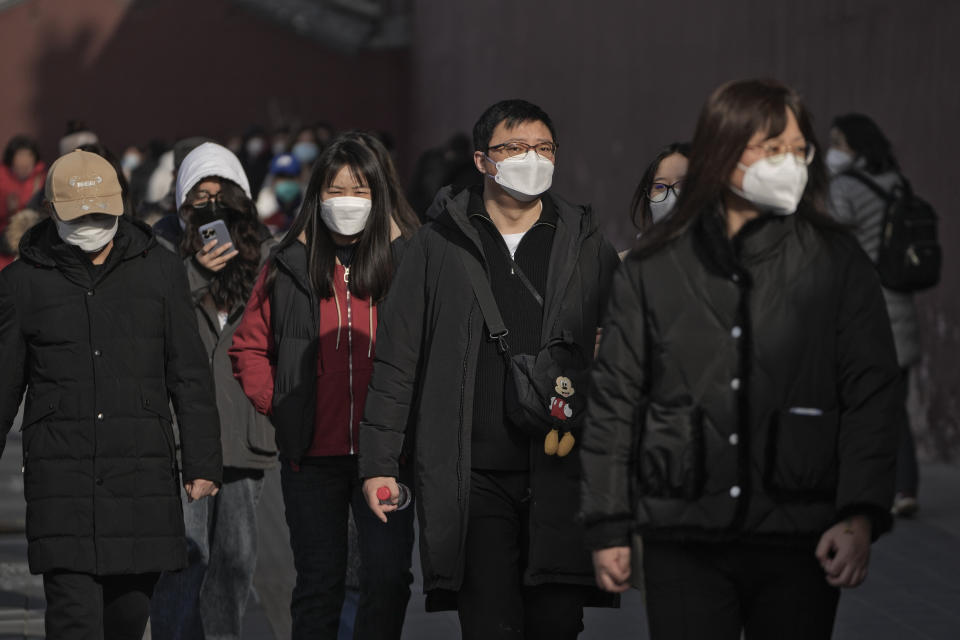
[(216, 229)]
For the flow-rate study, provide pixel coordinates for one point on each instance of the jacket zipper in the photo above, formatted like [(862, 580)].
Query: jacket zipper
[(346, 279)]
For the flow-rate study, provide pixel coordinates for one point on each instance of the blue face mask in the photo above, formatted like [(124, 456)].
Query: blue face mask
[(305, 152), (287, 191)]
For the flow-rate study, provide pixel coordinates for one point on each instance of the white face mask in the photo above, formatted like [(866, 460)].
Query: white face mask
[(774, 186), (345, 215), (660, 210), (524, 177), (838, 161), (89, 233)]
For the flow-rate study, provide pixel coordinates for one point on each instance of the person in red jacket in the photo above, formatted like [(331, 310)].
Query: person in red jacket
[(304, 355), (22, 175)]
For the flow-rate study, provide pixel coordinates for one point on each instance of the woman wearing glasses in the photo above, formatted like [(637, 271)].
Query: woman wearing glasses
[(742, 417), (660, 186)]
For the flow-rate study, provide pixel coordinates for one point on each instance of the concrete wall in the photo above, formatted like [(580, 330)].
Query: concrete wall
[(135, 70), (623, 78)]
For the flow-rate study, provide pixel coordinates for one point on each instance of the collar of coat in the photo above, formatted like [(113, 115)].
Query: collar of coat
[(574, 224), (42, 246), (758, 240)]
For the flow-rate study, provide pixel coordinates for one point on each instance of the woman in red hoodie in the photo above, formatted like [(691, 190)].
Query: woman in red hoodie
[(21, 176), (304, 355)]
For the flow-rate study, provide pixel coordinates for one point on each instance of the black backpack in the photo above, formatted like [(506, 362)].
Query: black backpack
[(909, 256)]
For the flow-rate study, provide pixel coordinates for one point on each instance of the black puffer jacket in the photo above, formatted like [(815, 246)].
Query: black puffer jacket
[(428, 339), (101, 356), (744, 389)]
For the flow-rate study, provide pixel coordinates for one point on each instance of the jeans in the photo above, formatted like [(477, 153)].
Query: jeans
[(81, 606), (209, 597), (492, 601), (712, 591), (317, 496)]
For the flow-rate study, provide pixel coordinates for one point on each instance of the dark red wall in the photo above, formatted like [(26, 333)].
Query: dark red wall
[(173, 68), (623, 78)]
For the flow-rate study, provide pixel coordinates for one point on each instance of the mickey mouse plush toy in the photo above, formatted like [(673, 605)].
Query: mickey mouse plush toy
[(560, 411)]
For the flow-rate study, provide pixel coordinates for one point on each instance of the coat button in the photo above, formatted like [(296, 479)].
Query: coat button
[(735, 384), (735, 277), (734, 491), (736, 332), (99, 481), (96, 352), (89, 292), (100, 416), (734, 439)]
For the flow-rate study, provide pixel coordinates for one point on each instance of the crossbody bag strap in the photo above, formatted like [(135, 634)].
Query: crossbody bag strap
[(488, 304), (520, 274)]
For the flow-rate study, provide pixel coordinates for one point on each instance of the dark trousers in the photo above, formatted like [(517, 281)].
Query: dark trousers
[(317, 497), (493, 602), (908, 474), (81, 606), (713, 591)]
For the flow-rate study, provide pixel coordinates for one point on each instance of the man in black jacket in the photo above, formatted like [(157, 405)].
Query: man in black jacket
[(96, 324), (496, 512)]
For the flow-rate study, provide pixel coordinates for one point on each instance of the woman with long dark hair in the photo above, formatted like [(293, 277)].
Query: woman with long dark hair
[(862, 162), (209, 597), (304, 354), (742, 415), (660, 186)]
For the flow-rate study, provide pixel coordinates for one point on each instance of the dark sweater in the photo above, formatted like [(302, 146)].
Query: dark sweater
[(496, 444)]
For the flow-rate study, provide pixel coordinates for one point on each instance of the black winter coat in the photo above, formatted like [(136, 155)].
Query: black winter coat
[(745, 389), (428, 339), (100, 357)]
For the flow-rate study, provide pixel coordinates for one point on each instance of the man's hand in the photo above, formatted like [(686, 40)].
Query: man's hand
[(370, 486), (197, 489), (215, 259), (844, 552), (612, 569)]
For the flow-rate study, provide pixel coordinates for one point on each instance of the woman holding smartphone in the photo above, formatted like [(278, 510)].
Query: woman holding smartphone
[(743, 412), (208, 598), (304, 355)]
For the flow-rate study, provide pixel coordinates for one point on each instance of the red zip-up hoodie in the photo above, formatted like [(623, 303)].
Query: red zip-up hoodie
[(348, 326)]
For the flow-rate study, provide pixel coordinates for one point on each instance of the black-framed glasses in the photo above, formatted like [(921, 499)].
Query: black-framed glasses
[(659, 190), (511, 149), (205, 198)]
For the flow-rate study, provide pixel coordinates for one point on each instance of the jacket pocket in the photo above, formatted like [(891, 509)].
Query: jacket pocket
[(672, 452), (156, 404), (261, 438), (802, 454), (36, 411)]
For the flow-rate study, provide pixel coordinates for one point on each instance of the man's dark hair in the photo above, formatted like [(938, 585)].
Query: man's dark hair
[(513, 112), (18, 143)]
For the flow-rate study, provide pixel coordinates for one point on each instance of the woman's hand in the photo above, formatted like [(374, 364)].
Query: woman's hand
[(844, 551), (370, 486), (612, 569), (215, 259)]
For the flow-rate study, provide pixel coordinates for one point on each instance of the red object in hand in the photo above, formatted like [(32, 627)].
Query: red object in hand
[(383, 494)]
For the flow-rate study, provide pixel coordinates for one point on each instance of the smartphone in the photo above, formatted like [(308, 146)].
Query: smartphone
[(216, 229)]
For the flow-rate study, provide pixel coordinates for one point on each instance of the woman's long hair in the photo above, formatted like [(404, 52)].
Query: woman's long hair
[(868, 142), (640, 212), (733, 113), (231, 286), (372, 268)]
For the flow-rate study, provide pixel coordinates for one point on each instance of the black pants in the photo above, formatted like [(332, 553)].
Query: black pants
[(908, 473), (316, 498), (493, 602), (713, 591), (81, 606)]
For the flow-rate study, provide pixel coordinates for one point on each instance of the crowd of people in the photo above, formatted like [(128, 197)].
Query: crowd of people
[(717, 416)]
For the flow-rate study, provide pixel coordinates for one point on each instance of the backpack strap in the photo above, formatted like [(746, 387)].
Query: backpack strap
[(863, 179), (488, 304)]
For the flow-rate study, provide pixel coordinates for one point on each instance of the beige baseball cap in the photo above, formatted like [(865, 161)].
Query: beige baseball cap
[(80, 183)]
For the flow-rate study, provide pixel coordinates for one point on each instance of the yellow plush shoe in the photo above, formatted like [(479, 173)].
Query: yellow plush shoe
[(566, 444), (551, 442)]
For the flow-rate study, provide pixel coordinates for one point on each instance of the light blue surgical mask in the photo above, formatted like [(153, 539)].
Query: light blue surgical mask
[(305, 152)]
